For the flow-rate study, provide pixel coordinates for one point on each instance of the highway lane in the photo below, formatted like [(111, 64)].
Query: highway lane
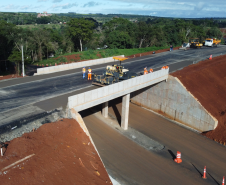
[(131, 164), (30, 90)]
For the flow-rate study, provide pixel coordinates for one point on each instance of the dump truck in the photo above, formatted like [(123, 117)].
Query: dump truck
[(211, 42), (195, 43), (112, 74)]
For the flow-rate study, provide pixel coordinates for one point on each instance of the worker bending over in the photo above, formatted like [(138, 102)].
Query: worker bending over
[(145, 71), (89, 74), (84, 72), (151, 70)]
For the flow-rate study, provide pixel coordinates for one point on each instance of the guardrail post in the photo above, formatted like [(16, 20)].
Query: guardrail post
[(125, 111), (105, 109)]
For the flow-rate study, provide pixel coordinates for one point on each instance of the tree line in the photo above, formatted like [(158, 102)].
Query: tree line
[(86, 33)]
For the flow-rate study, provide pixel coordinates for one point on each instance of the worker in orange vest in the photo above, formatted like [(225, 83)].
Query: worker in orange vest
[(166, 67), (163, 67), (84, 72), (145, 71), (151, 70), (89, 74)]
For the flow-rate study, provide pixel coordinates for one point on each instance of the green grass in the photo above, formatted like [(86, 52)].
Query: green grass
[(92, 54)]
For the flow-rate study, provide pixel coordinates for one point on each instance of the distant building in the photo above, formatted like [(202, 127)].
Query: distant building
[(44, 14)]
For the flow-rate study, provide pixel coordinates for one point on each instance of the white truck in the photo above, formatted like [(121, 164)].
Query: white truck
[(211, 42)]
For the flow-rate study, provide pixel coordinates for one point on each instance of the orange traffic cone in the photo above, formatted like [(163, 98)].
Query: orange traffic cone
[(223, 181), (210, 57), (178, 159), (204, 174)]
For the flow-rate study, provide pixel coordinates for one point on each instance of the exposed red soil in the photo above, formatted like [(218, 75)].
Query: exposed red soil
[(63, 154), (207, 82), (10, 76)]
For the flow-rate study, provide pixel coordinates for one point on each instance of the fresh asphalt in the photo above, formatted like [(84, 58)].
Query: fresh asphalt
[(50, 91)]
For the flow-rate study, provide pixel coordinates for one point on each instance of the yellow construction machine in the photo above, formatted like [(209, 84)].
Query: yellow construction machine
[(195, 43), (113, 74)]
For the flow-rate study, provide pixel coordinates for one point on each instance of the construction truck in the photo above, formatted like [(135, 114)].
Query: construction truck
[(211, 42), (112, 74), (195, 43)]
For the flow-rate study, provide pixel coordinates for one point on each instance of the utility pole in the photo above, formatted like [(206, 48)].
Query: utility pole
[(22, 60)]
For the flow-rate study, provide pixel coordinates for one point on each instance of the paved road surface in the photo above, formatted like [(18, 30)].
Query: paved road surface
[(131, 164), (41, 93)]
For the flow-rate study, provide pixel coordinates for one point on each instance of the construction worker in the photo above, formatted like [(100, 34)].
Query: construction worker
[(166, 67), (151, 70), (145, 71), (84, 72), (89, 74), (163, 67)]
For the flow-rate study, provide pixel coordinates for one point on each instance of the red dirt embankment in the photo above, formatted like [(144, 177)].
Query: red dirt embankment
[(207, 82), (63, 154)]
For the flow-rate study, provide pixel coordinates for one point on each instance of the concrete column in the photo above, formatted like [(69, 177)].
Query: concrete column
[(105, 109), (125, 111)]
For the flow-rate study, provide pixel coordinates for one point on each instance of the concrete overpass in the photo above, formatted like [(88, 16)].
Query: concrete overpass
[(102, 95)]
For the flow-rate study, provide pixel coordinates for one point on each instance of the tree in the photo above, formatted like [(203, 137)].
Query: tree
[(81, 30), (120, 31), (142, 32), (39, 37), (16, 57), (214, 32), (119, 39)]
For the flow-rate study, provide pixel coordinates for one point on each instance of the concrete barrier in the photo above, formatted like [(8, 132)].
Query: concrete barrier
[(174, 101), (95, 97), (52, 69)]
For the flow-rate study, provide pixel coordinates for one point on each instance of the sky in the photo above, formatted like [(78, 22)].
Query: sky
[(160, 8)]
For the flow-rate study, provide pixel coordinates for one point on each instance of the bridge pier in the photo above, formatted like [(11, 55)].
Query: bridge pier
[(105, 109), (125, 111)]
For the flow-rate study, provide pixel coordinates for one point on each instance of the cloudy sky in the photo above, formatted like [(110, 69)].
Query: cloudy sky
[(163, 8)]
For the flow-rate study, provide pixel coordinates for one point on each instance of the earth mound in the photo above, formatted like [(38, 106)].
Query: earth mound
[(56, 153), (206, 80)]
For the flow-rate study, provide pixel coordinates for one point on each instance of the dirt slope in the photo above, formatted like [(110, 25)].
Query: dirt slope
[(63, 154), (207, 82)]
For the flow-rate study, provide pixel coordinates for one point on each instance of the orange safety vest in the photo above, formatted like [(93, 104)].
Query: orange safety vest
[(151, 70), (166, 67), (89, 71), (145, 72), (163, 67), (83, 70)]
